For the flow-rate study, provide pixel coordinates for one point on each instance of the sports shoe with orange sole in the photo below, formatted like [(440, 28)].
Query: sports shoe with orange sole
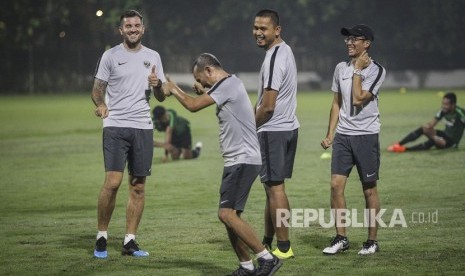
[(396, 148)]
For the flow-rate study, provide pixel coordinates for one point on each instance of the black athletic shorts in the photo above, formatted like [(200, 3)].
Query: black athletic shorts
[(235, 185), (359, 150), (183, 141), (278, 150), (131, 145), (449, 141)]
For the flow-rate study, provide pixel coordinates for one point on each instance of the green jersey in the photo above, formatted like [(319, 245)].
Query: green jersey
[(455, 123)]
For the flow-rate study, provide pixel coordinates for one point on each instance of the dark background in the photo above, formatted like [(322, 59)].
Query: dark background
[(51, 46)]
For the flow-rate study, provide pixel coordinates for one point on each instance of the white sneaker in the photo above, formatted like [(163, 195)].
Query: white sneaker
[(369, 247), (339, 244)]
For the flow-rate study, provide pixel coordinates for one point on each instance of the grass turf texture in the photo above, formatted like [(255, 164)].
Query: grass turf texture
[(51, 171)]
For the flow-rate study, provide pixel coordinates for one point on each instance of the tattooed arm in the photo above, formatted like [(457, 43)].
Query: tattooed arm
[(98, 97)]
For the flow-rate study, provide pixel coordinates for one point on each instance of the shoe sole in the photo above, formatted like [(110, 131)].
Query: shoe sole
[(285, 258), (376, 251), (102, 256), (134, 254)]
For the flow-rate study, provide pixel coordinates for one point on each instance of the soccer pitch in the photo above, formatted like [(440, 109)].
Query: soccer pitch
[(51, 171)]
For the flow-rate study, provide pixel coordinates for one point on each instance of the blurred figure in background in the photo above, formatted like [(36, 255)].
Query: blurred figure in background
[(178, 138), (454, 117)]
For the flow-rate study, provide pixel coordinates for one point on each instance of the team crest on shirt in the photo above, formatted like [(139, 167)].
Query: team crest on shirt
[(147, 64)]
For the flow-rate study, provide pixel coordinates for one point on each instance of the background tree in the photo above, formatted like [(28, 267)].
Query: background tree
[(53, 46)]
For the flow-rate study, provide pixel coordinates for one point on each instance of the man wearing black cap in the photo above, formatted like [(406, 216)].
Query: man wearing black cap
[(353, 132)]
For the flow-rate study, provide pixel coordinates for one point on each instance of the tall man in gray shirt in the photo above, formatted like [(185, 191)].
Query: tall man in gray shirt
[(277, 124), (122, 83), (241, 154), (355, 117)]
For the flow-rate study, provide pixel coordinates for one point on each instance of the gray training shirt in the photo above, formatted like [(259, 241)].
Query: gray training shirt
[(279, 73), (364, 119), (238, 136), (127, 75)]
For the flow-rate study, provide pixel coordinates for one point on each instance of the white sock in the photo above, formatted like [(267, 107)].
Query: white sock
[(248, 265), (129, 237), (102, 234), (265, 255)]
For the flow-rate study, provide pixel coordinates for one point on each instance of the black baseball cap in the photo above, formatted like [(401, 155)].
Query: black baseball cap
[(359, 30)]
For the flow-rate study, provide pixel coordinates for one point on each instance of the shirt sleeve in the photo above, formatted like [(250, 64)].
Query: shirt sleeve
[(172, 117), (277, 78), (439, 115), (374, 79), (219, 97), (335, 87), (275, 70), (461, 115), (104, 67)]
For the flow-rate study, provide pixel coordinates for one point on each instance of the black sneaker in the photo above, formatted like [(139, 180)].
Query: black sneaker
[(339, 244), (196, 150), (132, 249), (369, 247), (242, 272), (100, 250), (268, 267)]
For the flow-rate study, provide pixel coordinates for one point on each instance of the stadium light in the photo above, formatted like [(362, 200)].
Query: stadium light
[(99, 13)]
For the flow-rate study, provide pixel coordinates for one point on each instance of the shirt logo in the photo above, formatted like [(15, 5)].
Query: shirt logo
[(121, 63), (147, 64)]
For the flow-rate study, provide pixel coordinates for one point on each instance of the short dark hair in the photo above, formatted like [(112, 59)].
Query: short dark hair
[(204, 60), (158, 112), (130, 13), (271, 14), (451, 97)]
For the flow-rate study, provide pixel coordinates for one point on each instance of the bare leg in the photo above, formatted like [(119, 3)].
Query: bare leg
[(240, 234), (269, 226), (431, 134), (175, 153), (338, 202), (276, 199), (186, 153), (107, 199), (372, 203), (239, 246), (135, 206)]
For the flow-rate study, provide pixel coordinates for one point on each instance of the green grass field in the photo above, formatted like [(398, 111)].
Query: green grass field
[(51, 171)]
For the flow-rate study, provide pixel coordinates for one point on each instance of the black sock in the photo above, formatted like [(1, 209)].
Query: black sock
[(412, 136), (267, 241), (284, 246), (195, 152), (423, 146)]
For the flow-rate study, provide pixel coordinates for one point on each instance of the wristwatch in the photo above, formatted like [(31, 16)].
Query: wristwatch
[(357, 72)]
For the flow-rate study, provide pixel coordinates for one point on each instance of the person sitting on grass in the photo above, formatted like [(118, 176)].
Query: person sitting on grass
[(178, 139), (449, 137)]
